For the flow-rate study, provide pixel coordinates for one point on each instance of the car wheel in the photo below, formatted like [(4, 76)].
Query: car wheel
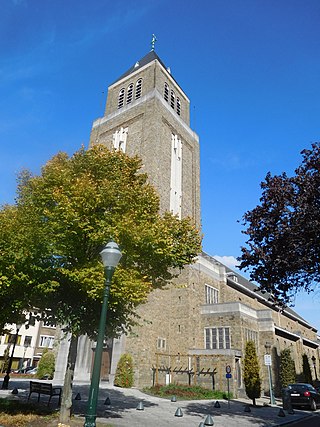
[(313, 405)]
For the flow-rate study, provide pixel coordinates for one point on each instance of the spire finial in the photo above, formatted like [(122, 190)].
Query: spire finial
[(153, 41)]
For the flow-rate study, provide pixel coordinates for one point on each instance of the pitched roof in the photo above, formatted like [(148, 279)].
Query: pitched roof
[(149, 57)]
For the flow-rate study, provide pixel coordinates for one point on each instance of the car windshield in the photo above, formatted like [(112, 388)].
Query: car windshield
[(301, 387)]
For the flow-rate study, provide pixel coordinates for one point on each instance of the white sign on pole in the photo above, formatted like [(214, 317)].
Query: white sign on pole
[(267, 360)]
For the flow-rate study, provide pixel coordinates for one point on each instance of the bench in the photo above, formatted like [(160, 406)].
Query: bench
[(44, 388)]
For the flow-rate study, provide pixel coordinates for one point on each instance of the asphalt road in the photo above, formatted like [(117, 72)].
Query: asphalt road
[(312, 421)]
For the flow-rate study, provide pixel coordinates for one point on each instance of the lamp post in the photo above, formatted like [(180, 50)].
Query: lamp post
[(6, 379), (268, 362), (110, 257), (314, 367)]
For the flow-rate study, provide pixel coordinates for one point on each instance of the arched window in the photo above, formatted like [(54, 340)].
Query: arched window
[(172, 99), (178, 106), (138, 88), (166, 92), (130, 93), (121, 98)]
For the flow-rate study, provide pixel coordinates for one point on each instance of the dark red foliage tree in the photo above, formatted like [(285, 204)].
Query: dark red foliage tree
[(282, 252)]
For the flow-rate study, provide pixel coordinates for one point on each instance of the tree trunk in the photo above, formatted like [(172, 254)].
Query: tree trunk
[(66, 399)]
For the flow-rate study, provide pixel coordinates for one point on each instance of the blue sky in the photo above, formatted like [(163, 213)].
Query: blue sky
[(250, 68)]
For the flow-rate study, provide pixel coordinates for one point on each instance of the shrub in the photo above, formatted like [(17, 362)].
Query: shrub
[(46, 365), (251, 374), (185, 392), (306, 369), (124, 372), (287, 368)]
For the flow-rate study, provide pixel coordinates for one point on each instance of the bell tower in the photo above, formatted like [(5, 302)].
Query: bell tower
[(148, 114)]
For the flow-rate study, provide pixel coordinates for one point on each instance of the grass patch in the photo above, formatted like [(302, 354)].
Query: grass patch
[(185, 392), (14, 413)]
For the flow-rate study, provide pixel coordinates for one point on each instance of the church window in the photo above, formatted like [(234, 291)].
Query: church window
[(178, 106), (130, 93), (212, 295), (166, 92), (161, 343), (176, 175), (251, 335), (121, 98), (172, 99), (217, 338), (138, 88)]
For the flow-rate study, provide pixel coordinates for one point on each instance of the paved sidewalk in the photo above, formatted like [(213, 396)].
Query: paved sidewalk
[(158, 412)]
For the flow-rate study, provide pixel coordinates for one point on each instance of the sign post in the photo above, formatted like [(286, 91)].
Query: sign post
[(268, 362), (228, 376)]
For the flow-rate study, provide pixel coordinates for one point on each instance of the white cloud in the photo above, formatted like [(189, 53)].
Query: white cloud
[(230, 261)]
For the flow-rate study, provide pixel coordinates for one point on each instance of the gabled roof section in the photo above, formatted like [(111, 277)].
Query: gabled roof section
[(149, 57)]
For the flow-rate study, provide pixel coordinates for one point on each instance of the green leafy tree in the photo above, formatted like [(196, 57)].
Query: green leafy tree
[(306, 371), (251, 374), (46, 365), (65, 216), (124, 372), (287, 368), (283, 246)]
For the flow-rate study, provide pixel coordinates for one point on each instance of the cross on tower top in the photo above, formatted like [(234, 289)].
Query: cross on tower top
[(153, 41)]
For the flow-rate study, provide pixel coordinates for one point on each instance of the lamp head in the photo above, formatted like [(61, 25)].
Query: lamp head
[(111, 255)]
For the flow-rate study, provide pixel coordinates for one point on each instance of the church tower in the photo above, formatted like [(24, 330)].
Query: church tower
[(148, 114)]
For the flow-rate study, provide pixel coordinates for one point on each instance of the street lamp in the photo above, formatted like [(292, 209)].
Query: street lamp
[(6, 379), (110, 257), (314, 366), (268, 362)]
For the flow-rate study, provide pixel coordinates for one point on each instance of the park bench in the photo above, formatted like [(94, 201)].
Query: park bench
[(44, 388)]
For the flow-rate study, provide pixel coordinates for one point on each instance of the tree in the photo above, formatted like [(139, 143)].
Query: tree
[(124, 372), (6, 358), (283, 246), (46, 365), (251, 373), (306, 371), (287, 368), (65, 216)]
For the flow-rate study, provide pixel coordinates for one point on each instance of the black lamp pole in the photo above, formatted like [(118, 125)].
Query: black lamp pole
[(6, 379)]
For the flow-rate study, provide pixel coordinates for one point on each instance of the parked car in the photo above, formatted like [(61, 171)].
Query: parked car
[(33, 371), (304, 395), (24, 370)]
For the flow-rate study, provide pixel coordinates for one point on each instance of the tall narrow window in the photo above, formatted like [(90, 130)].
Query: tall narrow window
[(120, 139), (166, 92), (138, 88), (121, 98), (176, 175), (130, 93), (172, 99), (178, 106), (212, 295)]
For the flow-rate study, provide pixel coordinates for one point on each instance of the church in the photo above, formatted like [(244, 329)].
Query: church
[(195, 330)]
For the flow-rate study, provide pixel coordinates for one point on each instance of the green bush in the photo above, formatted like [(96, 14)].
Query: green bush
[(306, 369), (251, 375), (287, 368), (185, 392), (124, 372), (46, 365)]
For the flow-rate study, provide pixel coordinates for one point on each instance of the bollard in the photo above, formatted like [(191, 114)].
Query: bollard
[(140, 407), (247, 408), (107, 401), (281, 413), (78, 397), (173, 399), (178, 413), (208, 421), (217, 405), (201, 424), (291, 411), (286, 399), (15, 391)]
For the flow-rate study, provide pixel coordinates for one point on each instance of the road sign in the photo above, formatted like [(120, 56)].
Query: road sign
[(228, 376), (267, 360), (228, 369)]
